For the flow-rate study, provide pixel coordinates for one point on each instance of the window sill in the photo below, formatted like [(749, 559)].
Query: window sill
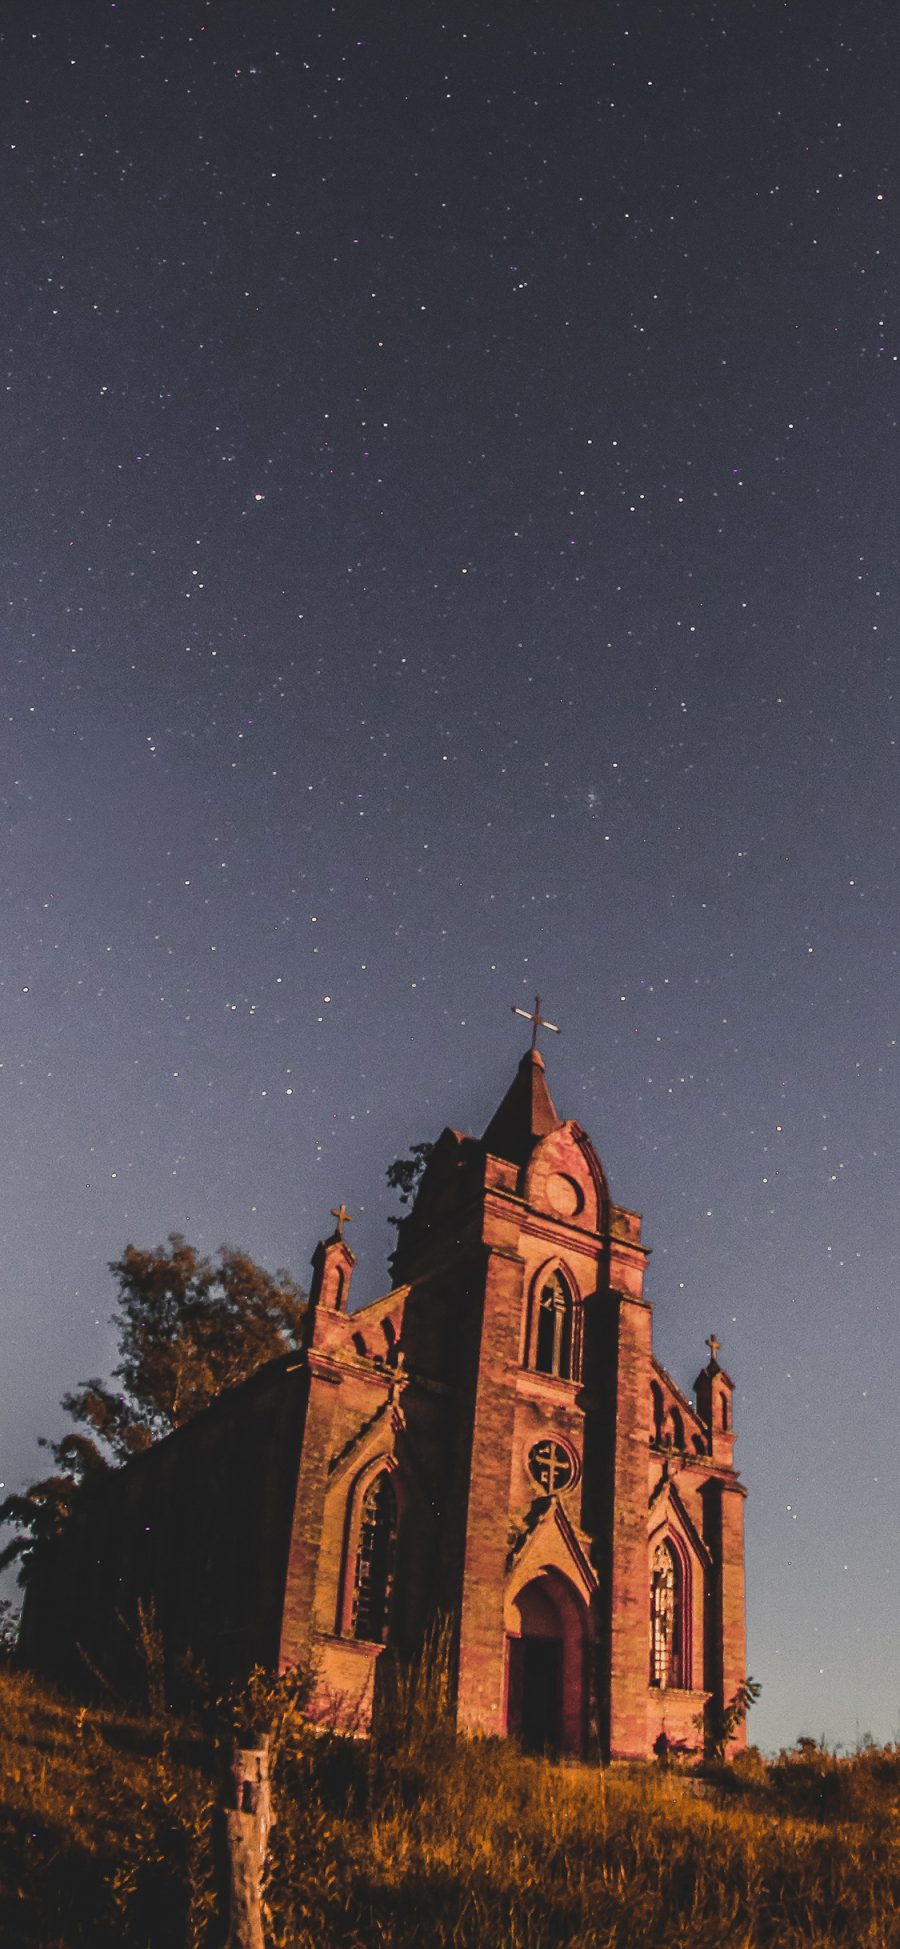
[(529, 1381), (365, 1647)]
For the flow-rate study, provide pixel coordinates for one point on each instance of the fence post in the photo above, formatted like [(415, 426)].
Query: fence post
[(248, 1818)]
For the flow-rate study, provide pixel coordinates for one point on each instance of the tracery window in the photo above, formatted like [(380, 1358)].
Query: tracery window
[(375, 1555), (553, 1352), (666, 1619)]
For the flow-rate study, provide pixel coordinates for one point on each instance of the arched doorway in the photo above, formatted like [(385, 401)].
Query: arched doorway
[(548, 1666)]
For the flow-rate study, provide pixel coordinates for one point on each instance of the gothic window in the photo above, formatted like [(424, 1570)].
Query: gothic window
[(375, 1561), (666, 1619), (657, 1410), (724, 1414), (553, 1352)]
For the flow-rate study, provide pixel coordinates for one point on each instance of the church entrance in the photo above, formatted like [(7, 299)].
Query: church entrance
[(547, 1670), (542, 1672)]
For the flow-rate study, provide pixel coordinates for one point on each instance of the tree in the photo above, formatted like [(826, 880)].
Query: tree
[(720, 1723), (188, 1327), (39, 1512), (405, 1172)]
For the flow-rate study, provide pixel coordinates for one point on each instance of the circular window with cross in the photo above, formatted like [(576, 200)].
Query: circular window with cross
[(553, 1465)]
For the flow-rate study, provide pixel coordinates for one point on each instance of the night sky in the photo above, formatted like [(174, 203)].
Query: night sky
[(450, 485)]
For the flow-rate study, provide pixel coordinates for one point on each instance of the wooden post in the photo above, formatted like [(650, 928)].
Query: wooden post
[(248, 1819)]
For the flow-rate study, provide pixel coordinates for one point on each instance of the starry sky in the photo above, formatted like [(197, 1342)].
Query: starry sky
[(448, 511)]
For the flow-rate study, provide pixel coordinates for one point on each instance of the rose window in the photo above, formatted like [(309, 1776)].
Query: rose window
[(552, 1465)]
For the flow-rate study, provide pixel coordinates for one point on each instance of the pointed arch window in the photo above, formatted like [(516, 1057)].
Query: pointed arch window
[(666, 1619), (657, 1409), (374, 1578), (555, 1324)]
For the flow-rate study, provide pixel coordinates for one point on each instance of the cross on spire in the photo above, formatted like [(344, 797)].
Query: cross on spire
[(713, 1345), (343, 1216), (536, 1019)]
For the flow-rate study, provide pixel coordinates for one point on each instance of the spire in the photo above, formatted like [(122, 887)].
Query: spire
[(333, 1263), (525, 1115)]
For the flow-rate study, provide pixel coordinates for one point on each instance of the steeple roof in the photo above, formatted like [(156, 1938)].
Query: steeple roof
[(525, 1115)]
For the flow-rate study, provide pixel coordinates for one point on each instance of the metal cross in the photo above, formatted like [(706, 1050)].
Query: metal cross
[(713, 1345), (536, 1019), (343, 1216)]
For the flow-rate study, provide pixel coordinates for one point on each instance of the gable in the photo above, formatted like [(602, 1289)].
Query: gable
[(551, 1544), (673, 1421), (564, 1179), (378, 1325), (669, 1513)]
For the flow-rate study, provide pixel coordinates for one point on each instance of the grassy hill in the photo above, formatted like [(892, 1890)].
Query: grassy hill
[(107, 1838)]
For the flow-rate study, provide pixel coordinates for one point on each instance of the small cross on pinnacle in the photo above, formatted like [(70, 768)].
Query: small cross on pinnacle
[(536, 1019), (713, 1345), (343, 1216)]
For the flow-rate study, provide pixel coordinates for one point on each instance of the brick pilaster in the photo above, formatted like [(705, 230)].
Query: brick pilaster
[(482, 1646), (732, 1621), (298, 1616), (629, 1602)]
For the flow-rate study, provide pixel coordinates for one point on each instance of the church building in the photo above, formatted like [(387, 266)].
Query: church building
[(493, 1443)]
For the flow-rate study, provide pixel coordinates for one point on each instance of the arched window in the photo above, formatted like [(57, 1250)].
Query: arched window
[(657, 1410), (666, 1619), (375, 1561), (553, 1351)]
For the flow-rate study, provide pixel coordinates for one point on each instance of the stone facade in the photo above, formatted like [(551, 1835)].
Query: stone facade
[(492, 1442)]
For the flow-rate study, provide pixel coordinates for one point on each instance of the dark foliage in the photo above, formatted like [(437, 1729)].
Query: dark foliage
[(404, 1174), (188, 1327), (719, 1724)]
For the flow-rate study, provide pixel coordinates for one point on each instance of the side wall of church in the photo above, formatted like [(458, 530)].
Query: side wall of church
[(194, 1531)]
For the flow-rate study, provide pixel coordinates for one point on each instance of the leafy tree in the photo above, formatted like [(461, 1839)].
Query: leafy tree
[(40, 1511), (404, 1174), (720, 1723), (188, 1327)]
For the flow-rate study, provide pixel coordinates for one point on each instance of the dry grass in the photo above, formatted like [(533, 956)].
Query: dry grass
[(106, 1837), (500, 1849), (105, 1825)]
